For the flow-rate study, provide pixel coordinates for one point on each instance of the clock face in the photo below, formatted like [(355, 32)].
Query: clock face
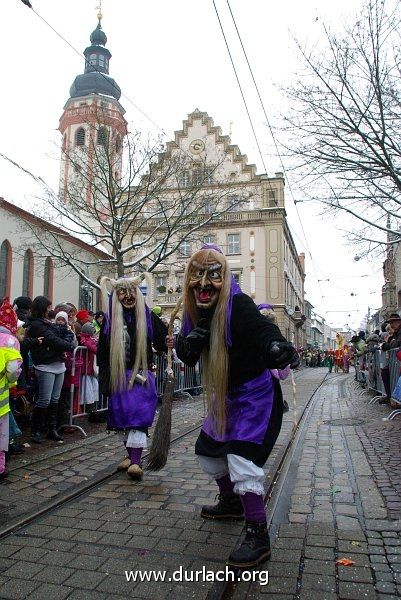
[(197, 146)]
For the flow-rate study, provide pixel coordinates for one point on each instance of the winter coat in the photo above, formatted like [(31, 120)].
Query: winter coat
[(394, 341), (90, 342), (52, 348)]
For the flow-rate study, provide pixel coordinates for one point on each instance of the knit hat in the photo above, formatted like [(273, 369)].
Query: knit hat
[(62, 314), (88, 328), (23, 302), (83, 315), (8, 316)]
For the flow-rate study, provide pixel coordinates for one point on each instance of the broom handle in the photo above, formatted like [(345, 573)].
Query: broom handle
[(170, 333)]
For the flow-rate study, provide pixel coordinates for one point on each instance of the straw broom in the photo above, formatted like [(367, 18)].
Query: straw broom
[(161, 437)]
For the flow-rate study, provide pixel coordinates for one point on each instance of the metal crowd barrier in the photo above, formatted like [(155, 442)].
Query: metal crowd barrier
[(187, 382), (368, 370)]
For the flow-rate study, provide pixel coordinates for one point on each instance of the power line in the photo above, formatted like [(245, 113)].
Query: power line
[(274, 141)]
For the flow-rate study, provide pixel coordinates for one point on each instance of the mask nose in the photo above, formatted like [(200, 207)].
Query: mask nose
[(204, 280)]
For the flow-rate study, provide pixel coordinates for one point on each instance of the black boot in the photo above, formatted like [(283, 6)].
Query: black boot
[(38, 423), (255, 548), (52, 424), (228, 507)]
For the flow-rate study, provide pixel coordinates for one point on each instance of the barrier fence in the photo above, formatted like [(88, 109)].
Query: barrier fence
[(379, 371), (85, 397)]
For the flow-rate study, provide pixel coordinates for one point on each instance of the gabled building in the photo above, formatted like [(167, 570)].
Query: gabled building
[(253, 232)]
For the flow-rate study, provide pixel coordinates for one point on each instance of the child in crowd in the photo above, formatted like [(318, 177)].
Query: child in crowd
[(10, 369), (89, 385), (63, 328)]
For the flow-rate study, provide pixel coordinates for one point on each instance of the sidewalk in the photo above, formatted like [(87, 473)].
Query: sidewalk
[(82, 550), (341, 500)]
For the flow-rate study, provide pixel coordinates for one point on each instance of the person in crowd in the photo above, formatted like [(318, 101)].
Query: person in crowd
[(89, 390), (22, 305), (394, 339), (97, 321), (63, 328), (125, 361), (82, 317), (267, 311), (65, 332), (238, 346), (385, 363), (346, 358), (48, 359), (10, 367), (329, 360)]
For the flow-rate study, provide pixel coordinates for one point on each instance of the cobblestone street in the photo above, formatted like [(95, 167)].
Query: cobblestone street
[(339, 500)]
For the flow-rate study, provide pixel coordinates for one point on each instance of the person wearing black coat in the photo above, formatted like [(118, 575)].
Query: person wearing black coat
[(48, 360)]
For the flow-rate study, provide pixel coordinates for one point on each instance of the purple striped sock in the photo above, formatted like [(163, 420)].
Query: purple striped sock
[(254, 508), (226, 486), (135, 455)]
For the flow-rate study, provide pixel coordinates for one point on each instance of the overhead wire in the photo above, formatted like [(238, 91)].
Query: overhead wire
[(274, 141)]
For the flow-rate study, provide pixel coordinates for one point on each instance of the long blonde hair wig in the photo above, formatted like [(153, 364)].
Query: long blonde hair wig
[(118, 381), (215, 358)]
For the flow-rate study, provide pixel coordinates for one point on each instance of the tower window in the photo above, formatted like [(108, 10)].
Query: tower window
[(102, 137), (93, 59), (80, 137), (118, 143)]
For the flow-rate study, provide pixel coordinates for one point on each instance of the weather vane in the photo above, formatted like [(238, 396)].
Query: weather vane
[(99, 9)]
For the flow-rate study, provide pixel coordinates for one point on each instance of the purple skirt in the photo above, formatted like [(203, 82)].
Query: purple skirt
[(249, 407), (133, 408)]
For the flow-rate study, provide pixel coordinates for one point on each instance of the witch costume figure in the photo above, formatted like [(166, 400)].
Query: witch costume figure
[(238, 347), (125, 358)]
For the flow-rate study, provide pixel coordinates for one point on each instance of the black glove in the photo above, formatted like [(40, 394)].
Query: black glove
[(282, 354), (198, 338)]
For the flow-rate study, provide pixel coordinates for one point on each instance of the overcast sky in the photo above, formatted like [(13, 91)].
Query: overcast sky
[(169, 58)]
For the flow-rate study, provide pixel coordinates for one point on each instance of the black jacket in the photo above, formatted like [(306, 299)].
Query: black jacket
[(251, 336), (52, 348), (103, 349)]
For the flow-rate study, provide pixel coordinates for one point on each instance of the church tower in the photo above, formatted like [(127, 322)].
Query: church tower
[(93, 129)]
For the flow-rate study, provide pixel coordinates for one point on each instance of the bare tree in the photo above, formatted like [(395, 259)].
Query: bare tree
[(345, 124), (133, 200)]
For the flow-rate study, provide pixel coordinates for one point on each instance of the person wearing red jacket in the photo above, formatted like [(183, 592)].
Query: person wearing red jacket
[(89, 384)]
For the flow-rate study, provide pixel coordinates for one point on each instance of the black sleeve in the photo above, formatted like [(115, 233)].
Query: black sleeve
[(54, 342), (103, 361), (250, 325), (185, 353), (28, 343), (103, 350), (159, 333)]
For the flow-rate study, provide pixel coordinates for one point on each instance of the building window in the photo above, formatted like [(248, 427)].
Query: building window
[(5, 269), (161, 283), (102, 137), (209, 207), (118, 143), (185, 248), (48, 279), (80, 137), (237, 276), (272, 198), (209, 239), (27, 274), (184, 179), (179, 281), (234, 203), (197, 177), (102, 62), (85, 294), (209, 175), (233, 243)]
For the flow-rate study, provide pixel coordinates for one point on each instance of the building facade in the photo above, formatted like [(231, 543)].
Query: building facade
[(26, 271), (253, 232)]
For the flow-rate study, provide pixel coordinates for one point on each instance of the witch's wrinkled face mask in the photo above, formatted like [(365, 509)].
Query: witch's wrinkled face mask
[(127, 296), (206, 280)]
